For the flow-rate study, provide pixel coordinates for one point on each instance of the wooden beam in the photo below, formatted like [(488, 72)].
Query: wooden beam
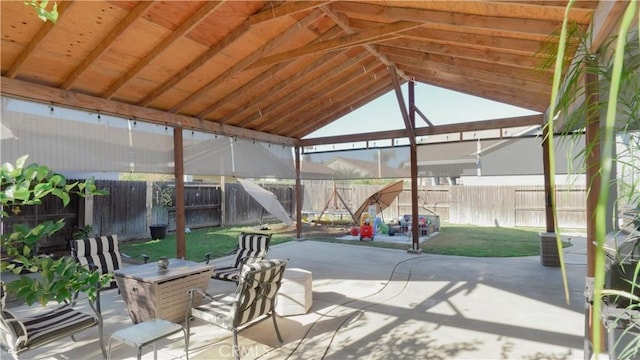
[(536, 101), (519, 121), (508, 94), (46, 94), (195, 64), (376, 92), (286, 36), (410, 127), (357, 39), (329, 97), (181, 223), (184, 28), (476, 40), (324, 86), (123, 26), (471, 21), (496, 56), (299, 194), (507, 9), (415, 58), (286, 8), (260, 98), (413, 159), (606, 18), (35, 42), (277, 106), (343, 22)]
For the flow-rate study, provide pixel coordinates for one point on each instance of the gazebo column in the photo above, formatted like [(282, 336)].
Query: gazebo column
[(298, 195), (548, 244), (178, 153), (410, 125)]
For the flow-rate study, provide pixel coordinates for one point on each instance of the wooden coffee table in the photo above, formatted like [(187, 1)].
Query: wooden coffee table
[(152, 293)]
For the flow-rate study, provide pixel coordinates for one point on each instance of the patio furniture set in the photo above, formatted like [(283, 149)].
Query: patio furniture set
[(160, 297)]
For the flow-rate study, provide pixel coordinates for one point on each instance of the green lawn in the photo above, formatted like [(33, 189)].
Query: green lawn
[(217, 240), (466, 240), (463, 240)]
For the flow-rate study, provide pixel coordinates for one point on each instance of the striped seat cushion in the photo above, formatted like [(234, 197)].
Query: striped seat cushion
[(256, 292), (101, 251), (251, 248), (56, 324), (254, 296), (30, 332)]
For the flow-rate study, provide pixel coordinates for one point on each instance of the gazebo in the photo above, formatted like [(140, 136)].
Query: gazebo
[(218, 76)]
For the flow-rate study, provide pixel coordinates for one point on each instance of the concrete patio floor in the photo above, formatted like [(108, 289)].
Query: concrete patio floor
[(373, 303)]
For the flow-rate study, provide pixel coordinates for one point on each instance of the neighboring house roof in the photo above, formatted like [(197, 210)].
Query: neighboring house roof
[(314, 170), (370, 169), (516, 156)]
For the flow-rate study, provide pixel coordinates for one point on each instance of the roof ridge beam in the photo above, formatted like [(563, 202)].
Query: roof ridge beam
[(378, 33), (344, 24)]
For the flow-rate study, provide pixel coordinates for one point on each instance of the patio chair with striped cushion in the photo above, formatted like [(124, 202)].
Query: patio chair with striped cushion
[(252, 247), (102, 252), (44, 326), (252, 302)]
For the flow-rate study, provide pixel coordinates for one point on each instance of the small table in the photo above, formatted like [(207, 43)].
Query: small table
[(153, 293), (148, 332), (296, 294)]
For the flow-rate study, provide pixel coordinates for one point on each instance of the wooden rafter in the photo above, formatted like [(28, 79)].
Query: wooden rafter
[(495, 56), (348, 103), (40, 37), (435, 67), (459, 20), (123, 26), (195, 64), (327, 89), (356, 39), (265, 76), (410, 127), (528, 74), (253, 57), (180, 31), (343, 22), (476, 40), (518, 98), (278, 106), (287, 8)]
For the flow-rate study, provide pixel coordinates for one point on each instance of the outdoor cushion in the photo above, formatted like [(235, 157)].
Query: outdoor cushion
[(103, 252), (20, 334), (252, 247), (253, 298)]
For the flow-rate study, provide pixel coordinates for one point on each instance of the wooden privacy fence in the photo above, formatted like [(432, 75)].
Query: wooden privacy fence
[(507, 206), (129, 208)]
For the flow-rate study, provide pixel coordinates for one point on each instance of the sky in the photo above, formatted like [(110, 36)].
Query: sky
[(440, 106)]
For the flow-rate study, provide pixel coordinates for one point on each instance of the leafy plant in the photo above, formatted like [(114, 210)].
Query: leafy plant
[(163, 194), (25, 184), (83, 232), (615, 66), (41, 9)]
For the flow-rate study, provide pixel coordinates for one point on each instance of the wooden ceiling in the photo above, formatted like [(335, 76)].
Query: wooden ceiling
[(274, 70)]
